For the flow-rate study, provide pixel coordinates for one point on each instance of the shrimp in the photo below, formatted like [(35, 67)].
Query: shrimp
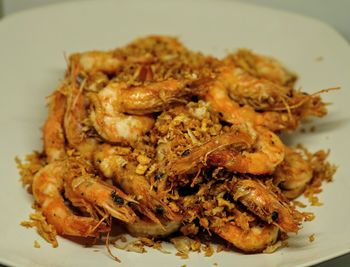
[(256, 239), (147, 228), (262, 83), (53, 134), (110, 198), (111, 124), (232, 112), (95, 61), (262, 67), (199, 154), (73, 121), (47, 186), (265, 204), (293, 174), (123, 173), (268, 153), (155, 97)]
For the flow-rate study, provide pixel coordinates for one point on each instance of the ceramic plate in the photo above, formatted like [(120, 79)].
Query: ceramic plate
[(32, 48)]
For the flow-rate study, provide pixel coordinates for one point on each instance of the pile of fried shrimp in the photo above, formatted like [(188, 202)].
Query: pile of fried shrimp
[(163, 141)]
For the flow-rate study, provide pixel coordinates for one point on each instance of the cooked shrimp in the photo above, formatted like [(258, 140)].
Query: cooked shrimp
[(95, 61), (262, 67), (256, 239), (268, 153), (147, 99), (198, 155), (111, 124), (53, 134), (47, 186), (232, 112), (110, 198), (265, 204), (293, 174), (73, 121), (148, 228), (123, 173), (261, 82)]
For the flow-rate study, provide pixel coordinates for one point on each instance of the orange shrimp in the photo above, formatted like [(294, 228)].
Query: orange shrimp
[(256, 239), (111, 124), (265, 204), (123, 173), (53, 135), (95, 61), (47, 186), (200, 155), (110, 198), (232, 112), (293, 174), (261, 66), (268, 153)]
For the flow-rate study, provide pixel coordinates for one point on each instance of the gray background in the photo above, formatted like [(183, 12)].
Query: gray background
[(335, 13)]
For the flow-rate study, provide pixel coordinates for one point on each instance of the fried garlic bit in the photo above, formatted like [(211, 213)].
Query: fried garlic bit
[(169, 141)]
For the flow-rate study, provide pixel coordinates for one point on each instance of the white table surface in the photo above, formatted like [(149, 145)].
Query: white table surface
[(335, 13)]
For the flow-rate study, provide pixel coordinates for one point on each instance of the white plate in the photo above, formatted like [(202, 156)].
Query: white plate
[(31, 51)]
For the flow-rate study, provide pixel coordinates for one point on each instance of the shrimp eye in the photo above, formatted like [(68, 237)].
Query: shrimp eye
[(274, 216), (80, 78), (185, 153), (159, 210), (159, 175), (117, 199)]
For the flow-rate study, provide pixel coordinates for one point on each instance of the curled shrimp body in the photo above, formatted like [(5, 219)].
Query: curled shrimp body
[(261, 66), (232, 112), (265, 204), (293, 174), (111, 124), (47, 186), (53, 134), (268, 153), (256, 239), (95, 61)]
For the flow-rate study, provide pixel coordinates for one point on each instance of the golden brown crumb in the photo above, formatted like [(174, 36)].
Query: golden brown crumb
[(208, 250), (36, 244), (182, 255), (299, 204), (312, 129), (312, 238), (272, 248), (45, 230)]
